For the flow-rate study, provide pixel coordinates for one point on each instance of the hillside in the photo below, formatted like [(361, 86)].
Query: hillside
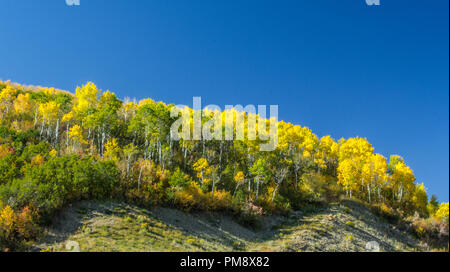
[(111, 227), (58, 149)]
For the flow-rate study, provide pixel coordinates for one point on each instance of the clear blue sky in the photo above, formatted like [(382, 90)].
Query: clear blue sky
[(339, 67)]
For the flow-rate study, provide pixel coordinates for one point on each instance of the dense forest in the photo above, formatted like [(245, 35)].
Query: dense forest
[(58, 148)]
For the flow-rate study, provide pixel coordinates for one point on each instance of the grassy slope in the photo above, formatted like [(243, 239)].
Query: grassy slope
[(120, 227)]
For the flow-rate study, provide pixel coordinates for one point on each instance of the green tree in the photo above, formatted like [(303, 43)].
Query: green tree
[(261, 173)]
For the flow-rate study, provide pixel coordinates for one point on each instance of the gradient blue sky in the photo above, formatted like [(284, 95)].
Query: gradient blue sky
[(339, 67)]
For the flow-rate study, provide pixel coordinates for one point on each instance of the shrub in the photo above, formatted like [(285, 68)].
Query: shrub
[(432, 230), (193, 197), (250, 216), (178, 179), (8, 168), (220, 200), (7, 223), (27, 223), (16, 227), (386, 212), (31, 151), (6, 149), (49, 187)]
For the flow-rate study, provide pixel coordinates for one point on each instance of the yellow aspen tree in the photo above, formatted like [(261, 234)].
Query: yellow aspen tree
[(7, 96), (76, 136), (86, 98), (67, 119), (353, 154), (144, 165), (420, 199), (329, 151), (239, 179), (7, 221), (49, 114), (402, 179), (128, 110), (348, 176), (23, 104), (442, 211), (112, 150), (129, 152), (202, 169), (374, 174)]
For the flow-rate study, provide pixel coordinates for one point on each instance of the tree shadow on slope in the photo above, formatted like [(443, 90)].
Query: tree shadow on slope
[(69, 220), (215, 228)]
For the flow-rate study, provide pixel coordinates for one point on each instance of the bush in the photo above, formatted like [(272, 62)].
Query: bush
[(49, 187), (59, 181), (386, 212), (16, 227), (193, 197), (432, 230), (220, 200), (178, 179), (250, 216), (280, 205), (8, 169), (31, 151)]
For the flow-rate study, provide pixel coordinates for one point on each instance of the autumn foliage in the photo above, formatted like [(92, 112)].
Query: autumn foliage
[(57, 148)]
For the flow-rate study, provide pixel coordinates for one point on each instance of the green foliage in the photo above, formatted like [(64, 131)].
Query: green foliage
[(8, 169), (30, 151), (59, 181), (178, 179), (433, 205), (18, 139)]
